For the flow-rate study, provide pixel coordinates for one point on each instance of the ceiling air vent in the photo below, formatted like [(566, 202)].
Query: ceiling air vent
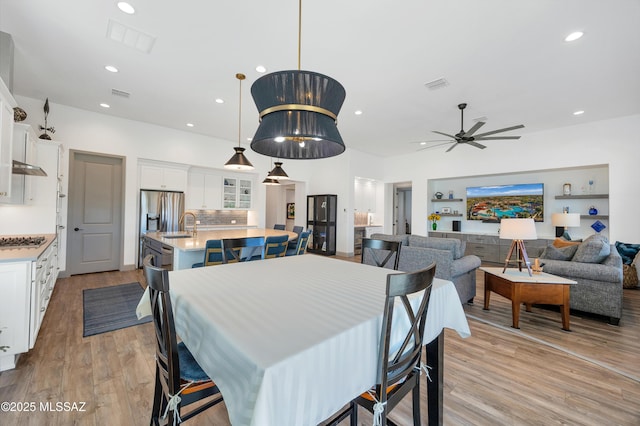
[(436, 84), (121, 93), (130, 36)]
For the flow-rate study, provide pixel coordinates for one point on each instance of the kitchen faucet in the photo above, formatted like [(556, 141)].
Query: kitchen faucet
[(195, 222)]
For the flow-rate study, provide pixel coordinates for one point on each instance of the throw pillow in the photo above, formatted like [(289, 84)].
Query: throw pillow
[(561, 253), (594, 249), (561, 242), (627, 251)]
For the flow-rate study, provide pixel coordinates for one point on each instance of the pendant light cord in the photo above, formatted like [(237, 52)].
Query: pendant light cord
[(240, 77), (299, 31)]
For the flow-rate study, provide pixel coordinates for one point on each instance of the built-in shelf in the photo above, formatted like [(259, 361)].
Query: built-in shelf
[(442, 200), (594, 216), (449, 215), (581, 197)]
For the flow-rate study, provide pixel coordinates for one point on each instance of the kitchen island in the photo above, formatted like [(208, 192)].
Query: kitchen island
[(189, 249)]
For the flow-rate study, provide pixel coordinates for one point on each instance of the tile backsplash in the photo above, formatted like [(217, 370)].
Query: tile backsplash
[(217, 217)]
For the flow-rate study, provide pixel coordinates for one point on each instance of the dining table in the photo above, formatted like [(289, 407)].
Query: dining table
[(291, 340)]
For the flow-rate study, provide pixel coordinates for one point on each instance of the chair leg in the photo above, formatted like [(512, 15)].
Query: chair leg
[(416, 402), (157, 398), (353, 421)]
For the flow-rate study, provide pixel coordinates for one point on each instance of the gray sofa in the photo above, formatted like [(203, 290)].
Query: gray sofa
[(418, 252), (597, 267)]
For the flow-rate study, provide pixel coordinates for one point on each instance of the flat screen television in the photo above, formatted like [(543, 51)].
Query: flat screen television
[(495, 202)]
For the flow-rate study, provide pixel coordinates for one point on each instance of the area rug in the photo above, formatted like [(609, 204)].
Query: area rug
[(111, 308)]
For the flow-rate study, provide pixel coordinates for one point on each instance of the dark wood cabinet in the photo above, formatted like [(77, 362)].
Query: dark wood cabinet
[(321, 221)]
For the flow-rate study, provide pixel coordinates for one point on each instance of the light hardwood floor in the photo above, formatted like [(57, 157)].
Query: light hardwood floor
[(538, 375)]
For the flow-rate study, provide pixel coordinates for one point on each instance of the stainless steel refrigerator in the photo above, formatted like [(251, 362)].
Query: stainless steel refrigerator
[(159, 211)]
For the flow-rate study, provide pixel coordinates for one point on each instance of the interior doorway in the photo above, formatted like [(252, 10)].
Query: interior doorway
[(286, 204), (402, 208), (95, 212)]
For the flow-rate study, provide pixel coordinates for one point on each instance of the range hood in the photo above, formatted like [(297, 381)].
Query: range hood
[(20, 168)]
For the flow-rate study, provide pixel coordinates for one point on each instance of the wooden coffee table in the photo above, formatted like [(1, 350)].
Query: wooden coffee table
[(519, 287)]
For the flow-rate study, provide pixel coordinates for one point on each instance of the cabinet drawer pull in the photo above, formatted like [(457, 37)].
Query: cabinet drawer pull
[(44, 260), (42, 309), (39, 267)]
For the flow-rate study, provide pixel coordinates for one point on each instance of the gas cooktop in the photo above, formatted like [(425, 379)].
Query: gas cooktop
[(21, 242)]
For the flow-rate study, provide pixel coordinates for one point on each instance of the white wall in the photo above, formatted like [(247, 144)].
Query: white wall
[(614, 142)]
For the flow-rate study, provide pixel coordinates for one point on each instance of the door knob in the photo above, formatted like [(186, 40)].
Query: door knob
[(78, 229)]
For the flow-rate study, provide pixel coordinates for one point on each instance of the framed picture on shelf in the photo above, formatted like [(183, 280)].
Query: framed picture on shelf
[(291, 210), (446, 210)]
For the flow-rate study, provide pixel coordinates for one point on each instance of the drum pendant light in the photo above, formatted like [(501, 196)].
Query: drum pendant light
[(298, 112), (238, 161)]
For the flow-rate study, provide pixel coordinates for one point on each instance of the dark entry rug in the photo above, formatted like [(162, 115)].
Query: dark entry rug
[(111, 308)]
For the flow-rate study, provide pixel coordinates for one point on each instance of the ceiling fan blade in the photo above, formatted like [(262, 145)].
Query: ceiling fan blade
[(474, 129), (477, 145), (444, 134), (493, 132), (437, 145), (452, 146), (497, 138), (433, 140)]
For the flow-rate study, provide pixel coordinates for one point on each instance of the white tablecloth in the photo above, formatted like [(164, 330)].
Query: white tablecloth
[(290, 340)]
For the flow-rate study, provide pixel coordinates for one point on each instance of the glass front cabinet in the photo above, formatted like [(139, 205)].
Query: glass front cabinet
[(321, 221)]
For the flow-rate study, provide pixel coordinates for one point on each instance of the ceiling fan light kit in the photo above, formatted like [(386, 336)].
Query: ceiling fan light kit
[(470, 137)]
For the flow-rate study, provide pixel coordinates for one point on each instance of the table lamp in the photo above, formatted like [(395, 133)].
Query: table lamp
[(518, 230), (562, 221)]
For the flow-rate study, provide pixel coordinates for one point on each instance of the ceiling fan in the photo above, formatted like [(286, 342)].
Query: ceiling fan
[(469, 137)]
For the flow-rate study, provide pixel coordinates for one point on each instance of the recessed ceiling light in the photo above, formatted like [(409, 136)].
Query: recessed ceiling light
[(423, 143), (261, 68), (219, 101), (358, 112), (574, 36), (126, 8), (103, 105), (249, 139), (111, 68), (578, 113), (189, 124)]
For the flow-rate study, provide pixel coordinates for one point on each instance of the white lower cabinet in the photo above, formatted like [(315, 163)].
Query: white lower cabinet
[(26, 289)]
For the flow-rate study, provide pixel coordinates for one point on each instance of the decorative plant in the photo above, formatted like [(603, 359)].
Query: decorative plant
[(434, 217)]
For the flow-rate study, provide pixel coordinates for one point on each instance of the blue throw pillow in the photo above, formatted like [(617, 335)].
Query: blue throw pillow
[(627, 251)]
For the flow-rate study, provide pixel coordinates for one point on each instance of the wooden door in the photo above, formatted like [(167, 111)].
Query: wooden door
[(95, 213)]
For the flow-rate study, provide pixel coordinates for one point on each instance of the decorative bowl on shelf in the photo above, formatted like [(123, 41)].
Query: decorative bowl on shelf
[(593, 211), (439, 195)]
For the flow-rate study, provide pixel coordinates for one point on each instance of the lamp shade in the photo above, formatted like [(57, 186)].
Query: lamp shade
[(518, 229), (298, 112), (565, 219), (278, 172), (271, 181), (238, 161)]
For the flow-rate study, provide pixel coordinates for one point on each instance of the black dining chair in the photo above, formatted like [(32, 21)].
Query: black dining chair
[(374, 250), (212, 254), (275, 246), (399, 360), (279, 227), (177, 372), (242, 249), (300, 247)]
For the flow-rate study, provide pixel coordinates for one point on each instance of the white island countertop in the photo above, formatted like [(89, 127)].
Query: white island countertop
[(185, 240)]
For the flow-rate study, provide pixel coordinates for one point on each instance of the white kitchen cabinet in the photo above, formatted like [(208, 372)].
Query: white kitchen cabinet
[(26, 289), (163, 178), (6, 142), (204, 191), (15, 288), (365, 191), (24, 150), (236, 193)]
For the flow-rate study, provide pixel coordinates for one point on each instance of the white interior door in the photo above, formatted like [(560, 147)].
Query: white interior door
[(95, 213)]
